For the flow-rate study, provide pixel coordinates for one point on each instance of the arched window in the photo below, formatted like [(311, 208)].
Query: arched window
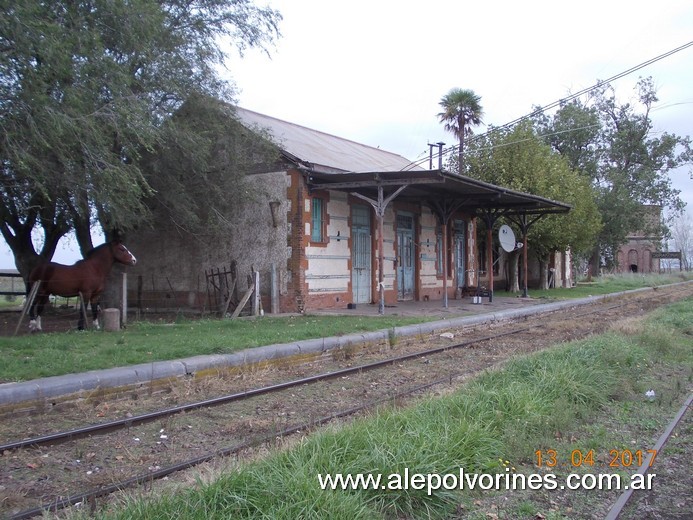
[(633, 261)]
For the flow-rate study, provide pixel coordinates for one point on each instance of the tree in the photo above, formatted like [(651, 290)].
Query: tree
[(613, 146), (520, 160), (682, 238), (86, 88), (198, 171), (461, 110)]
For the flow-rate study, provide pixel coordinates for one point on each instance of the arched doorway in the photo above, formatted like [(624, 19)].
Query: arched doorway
[(633, 261)]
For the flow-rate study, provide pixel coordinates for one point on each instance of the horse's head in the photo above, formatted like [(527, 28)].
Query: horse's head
[(122, 255)]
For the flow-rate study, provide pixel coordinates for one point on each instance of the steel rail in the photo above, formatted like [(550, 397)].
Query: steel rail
[(622, 501), (107, 427), (90, 496), (110, 426)]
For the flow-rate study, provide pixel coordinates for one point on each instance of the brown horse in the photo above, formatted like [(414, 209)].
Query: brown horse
[(87, 277)]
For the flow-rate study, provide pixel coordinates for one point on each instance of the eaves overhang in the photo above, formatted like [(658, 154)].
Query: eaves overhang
[(433, 187)]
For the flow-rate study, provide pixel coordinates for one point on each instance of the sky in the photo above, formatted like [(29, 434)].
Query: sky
[(374, 71)]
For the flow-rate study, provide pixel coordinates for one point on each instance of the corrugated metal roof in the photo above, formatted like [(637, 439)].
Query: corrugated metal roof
[(325, 152), (363, 168), (436, 185)]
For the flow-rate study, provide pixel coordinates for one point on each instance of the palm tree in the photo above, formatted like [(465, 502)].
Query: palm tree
[(461, 109)]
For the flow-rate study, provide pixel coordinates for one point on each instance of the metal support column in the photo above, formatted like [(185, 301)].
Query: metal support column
[(490, 217), (524, 223), (379, 206)]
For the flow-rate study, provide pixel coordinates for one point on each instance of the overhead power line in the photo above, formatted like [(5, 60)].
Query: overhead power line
[(595, 86), (560, 101)]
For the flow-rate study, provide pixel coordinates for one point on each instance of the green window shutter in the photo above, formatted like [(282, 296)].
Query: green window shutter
[(317, 220)]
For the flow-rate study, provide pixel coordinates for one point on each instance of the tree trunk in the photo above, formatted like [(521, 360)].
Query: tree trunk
[(82, 229), (513, 271), (25, 256), (593, 269), (543, 274), (52, 233), (17, 231), (18, 237)]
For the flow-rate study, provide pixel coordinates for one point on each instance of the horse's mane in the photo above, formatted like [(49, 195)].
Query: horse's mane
[(94, 250)]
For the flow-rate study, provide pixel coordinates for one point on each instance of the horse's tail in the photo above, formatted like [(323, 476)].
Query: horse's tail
[(38, 274), (35, 275)]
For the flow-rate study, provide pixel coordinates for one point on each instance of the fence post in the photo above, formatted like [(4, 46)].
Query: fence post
[(256, 297), (124, 300)]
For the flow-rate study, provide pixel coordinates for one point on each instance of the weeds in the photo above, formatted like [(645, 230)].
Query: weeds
[(392, 338), (611, 284), (502, 416), (25, 357), (344, 352)]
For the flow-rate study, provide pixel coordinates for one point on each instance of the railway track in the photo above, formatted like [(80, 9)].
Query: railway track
[(620, 504), (113, 455)]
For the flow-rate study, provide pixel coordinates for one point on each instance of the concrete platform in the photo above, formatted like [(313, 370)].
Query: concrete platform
[(435, 309), (460, 313)]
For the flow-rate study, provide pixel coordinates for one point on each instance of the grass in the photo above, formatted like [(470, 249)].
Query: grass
[(49, 354), (43, 355), (611, 283), (9, 302), (498, 420)]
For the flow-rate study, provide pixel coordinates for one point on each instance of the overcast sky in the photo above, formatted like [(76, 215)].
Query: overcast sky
[(374, 70)]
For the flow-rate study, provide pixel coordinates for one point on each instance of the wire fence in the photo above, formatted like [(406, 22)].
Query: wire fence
[(12, 286), (217, 291)]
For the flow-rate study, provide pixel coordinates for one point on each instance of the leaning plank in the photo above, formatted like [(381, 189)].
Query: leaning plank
[(83, 310), (28, 303), (243, 301), (232, 292)]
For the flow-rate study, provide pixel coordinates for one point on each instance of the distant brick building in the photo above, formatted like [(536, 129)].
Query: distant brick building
[(635, 256)]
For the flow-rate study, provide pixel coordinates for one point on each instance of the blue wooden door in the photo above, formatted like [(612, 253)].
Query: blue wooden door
[(405, 256), (361, 254), (460, 253)]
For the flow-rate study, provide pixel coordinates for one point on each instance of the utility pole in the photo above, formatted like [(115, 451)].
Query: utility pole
[(440, 155)]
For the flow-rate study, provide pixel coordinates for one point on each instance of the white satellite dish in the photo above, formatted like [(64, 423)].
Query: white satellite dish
[(506, 238)]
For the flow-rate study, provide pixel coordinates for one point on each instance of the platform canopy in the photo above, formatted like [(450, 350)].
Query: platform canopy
[(445, 193), (436, 187)]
